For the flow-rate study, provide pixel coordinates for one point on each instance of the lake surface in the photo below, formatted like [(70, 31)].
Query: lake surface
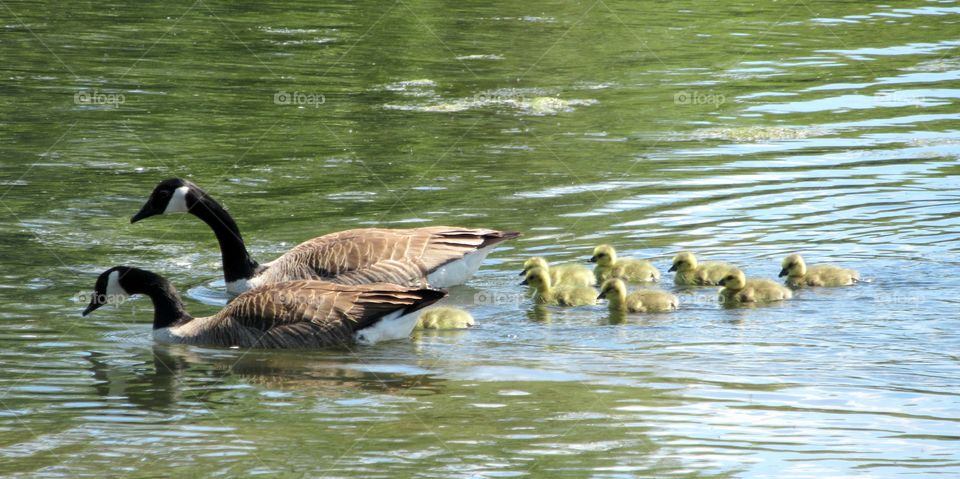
[(741, 130)]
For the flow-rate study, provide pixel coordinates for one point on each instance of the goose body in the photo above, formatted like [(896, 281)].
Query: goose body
[(799, 275), (565, 274), (437, 256), (295, 314), (443, 317), (640, 301), (738, 289), (546, 293), (690, 272), (610, 266)]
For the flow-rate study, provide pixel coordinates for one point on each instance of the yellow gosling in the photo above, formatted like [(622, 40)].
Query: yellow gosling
[(690, 272), (609, 266), (798, 275), (737, 289), (546, 293), (565, 274), (640, 301), (444, 317)]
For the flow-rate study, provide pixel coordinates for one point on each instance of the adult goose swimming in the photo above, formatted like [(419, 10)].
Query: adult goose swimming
[(296, 314), (437, 256)]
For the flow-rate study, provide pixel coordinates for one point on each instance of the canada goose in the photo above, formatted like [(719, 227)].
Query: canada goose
[(546, 293), (565, 274), (609, 266), (690, 272), (799, 275), (443, 317), (640, 301), (438, 256), (738, 289), (295, 314)]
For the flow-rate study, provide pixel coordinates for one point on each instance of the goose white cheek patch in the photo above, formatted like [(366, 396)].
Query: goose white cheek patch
[(178, 203), (115, 292)]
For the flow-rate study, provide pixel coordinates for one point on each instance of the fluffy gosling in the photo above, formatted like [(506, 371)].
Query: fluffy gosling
[(640, 301), (738, 289), (566, 274), (690, 272), (798, 275), (546, 293), (444, 317), (609, 266)]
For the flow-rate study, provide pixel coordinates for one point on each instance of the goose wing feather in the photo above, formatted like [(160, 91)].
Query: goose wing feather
[(399, 256), (309, 313)]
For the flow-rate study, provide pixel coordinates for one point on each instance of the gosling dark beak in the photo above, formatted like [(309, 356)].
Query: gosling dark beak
[(145, 212), (783, 272), (524, 283), (672, 269), (523, 273), (91, 307), (603, 295), (593, 259), (722, 282)]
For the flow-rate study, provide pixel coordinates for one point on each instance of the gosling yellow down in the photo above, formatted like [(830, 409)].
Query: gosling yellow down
[(565, 274), (798, 275), (609, 266), (444, 317), (691, 272), (640, 301), (738, 289), (546, 293)]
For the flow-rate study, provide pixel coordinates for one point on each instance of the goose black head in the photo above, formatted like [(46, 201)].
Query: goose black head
[(110, 288), (170, 196)]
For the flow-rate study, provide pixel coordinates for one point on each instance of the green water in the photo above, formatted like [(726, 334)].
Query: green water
[(742, 130)]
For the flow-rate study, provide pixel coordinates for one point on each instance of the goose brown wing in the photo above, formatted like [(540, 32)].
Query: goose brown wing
[(399, 256), (316, 313)]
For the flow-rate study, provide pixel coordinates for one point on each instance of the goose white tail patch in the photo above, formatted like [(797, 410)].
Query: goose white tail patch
[(458, 272), (165, 336), (115, 292), (178, 203), (234, 288), (395, 325)]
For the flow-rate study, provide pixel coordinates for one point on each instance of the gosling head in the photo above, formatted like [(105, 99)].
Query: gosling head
[(113, 286), (170, 196), (683, 261), (793, 265), (535, 262), (537, 278), (613, 285), (734, 280), (604, 255)]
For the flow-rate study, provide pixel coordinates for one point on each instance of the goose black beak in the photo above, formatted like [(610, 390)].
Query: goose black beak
[(602, 295), (783, 272), (145, 212), (524, 283), (593, 259), (523, 273), (672, 269), (91, 307), (722, 282)]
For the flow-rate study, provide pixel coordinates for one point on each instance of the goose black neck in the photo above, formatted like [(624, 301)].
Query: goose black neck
[(168, 308), (237, 263)]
